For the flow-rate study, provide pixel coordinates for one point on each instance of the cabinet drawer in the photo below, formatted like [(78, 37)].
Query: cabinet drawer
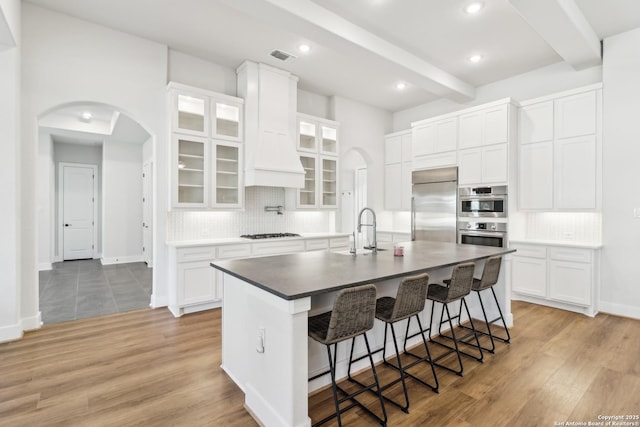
[(317, 244), (201, 253), (339, 242), (530, 251), (274, 248), (435, 160), (234, 251), (570, 254)]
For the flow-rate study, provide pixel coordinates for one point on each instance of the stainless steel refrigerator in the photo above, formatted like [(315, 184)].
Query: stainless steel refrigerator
[(434, 204)]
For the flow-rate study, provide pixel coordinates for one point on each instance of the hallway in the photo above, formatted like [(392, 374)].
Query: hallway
[(79, 289)]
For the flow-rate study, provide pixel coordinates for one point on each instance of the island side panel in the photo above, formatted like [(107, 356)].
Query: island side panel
[(273, 375)]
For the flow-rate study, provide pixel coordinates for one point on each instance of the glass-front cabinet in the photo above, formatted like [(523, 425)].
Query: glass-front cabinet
[(318, 150), (207, 149)]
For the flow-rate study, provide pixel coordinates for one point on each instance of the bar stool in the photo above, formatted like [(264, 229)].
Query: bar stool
[(409, 302), (352, 315), (489, 278), (455, 289)]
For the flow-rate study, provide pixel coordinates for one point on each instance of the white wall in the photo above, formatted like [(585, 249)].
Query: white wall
[(314, 104), (73, 153), (122, 202), (543, 81), (46, 201), (620, 292), (11, 325), (362, 127), (189, 70), (69, 60)]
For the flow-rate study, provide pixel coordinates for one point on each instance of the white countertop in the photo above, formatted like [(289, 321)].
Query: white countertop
[(563, 243), (236, 240)]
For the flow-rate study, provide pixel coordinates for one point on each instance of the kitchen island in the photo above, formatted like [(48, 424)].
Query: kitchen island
[(267, 301)]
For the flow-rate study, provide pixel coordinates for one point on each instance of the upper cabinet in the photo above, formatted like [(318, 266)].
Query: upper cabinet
[(476, 139), (318, 150), (397, 171), (207, 152), (559, 147)]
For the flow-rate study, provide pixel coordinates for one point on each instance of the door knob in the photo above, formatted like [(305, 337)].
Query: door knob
[(66, 225)]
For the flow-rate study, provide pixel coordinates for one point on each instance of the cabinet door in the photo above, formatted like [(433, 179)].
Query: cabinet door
[(494, 164), (576, 115), (393, 150), (196, 283), (470, 166), (226, 120), (423, 139), (190, 171), (535, 176), (570, 282), (392, 186), (575, 173), (307, 140), (535, 123), (328, 140), (227, 184), (406, 147), (190, 114), (529, 276), (470, 126), (496, 127), (406, 186), (446, 135), (329, 182), (307, 196)]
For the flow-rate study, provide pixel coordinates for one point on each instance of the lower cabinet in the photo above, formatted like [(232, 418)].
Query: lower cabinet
[(558, 276)]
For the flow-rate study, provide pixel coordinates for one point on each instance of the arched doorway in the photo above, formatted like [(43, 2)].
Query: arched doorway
[(353, 188), (104, 215)]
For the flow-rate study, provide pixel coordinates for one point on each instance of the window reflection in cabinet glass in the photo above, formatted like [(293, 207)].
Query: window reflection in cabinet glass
[(227, 120), (329, 140), (190, 171), (308, 193), (191, 112), (227, 169), (329, 174), (307, 133)]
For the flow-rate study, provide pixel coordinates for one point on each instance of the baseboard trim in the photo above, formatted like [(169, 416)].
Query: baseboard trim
[(10, 333), (121, 260), (44, 266), (620, 309), (31, 323), (157, 302)]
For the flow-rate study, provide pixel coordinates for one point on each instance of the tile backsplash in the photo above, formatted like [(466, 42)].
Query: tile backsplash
[(572, 226), (195, 225)]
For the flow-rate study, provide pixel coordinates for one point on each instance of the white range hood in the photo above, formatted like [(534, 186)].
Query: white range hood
[(270, 97)]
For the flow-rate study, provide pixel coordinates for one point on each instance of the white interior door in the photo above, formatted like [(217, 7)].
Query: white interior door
[(78, 200), (147, 216)]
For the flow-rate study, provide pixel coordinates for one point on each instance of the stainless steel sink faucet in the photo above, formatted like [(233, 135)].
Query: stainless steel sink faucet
[(374, 244)]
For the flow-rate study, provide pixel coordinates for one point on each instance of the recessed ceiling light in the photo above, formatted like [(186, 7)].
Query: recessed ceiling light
[(475, 58), (474, 7), (304, 48), (86, 115), (401, 85)]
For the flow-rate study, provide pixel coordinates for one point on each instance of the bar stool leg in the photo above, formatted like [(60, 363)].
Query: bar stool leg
[(382, 421), (334, 386)]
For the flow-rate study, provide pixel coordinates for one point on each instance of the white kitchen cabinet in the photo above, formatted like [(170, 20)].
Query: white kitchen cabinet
[(575, 173), (535, 176), (483, 165), (318, 151), (435, 137), (193, 282), (559, 151), (556, 275), (207, 162), (485, 126), (398, 168)]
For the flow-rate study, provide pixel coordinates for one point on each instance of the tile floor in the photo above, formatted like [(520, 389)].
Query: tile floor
[(85, 288)]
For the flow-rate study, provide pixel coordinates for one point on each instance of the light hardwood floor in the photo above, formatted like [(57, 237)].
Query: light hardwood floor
[(147, 368)]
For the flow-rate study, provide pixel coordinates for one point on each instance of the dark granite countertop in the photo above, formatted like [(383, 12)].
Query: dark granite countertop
[(312, 273)]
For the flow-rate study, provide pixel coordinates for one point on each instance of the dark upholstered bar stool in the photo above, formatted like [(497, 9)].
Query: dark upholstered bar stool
[(409, 302), (352, 315), (455, 289), (489, 278)]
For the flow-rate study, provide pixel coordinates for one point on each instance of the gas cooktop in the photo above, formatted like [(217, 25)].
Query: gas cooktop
[(269, 235)]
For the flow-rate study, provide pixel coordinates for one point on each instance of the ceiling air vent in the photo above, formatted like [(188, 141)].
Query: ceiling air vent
[(282, 55)]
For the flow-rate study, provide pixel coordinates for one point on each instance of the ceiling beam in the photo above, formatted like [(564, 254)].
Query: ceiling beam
[(562, 24), (422, 73)]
